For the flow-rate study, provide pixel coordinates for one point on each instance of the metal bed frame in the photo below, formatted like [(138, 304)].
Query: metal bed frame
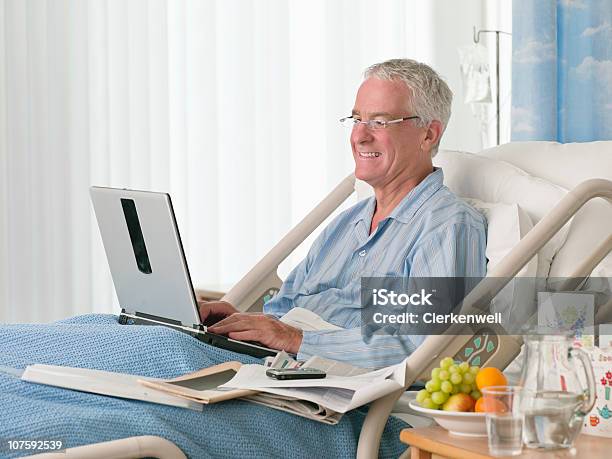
[(249, 292)]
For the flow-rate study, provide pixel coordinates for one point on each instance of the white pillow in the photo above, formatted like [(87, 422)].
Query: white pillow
[(590, 227), (507, 224), (496, 181), (566, 164)]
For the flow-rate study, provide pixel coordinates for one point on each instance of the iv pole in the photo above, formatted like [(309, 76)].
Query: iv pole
[(477, 40)]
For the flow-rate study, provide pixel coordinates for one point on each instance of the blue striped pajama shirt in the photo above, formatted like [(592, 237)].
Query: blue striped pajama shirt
[(431, 233)]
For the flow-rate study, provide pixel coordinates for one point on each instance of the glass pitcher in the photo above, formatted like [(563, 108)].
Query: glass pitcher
[(555, 399)]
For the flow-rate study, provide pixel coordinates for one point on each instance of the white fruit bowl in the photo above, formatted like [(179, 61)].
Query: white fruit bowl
[(465, 424)]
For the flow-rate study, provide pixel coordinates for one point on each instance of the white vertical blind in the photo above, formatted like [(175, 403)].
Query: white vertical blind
[(4, 252), (231, 106)]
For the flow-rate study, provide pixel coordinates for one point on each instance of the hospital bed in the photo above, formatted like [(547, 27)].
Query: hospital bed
[(530, 171)]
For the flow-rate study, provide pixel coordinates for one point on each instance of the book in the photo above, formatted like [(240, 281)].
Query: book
[(103, 383), (187, 391), (201, 386)]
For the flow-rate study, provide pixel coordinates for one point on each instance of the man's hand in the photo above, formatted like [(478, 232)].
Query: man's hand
[(268, 330), (214, 311)]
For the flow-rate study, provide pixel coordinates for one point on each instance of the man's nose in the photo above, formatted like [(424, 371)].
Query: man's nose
[(361, 133)]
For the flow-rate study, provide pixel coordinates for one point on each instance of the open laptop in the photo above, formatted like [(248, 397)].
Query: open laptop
[(148, 266)]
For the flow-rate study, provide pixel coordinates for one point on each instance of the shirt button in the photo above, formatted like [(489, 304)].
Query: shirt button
[(362, 253)]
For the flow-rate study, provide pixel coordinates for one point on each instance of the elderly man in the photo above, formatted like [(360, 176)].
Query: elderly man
[(413, 226)]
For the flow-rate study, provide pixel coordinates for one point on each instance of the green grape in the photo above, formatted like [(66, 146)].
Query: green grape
[(466, 388), (475, 394), (455, 389), (453, 368), (422, 395), (429, 404), (446, 362), (464, 367), (432, 385), (435, 373), (468, 378), (439, 397), (474, 370), (456, 378), (446, 386), (443, 375)]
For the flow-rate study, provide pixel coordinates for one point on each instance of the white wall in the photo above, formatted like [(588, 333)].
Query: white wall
[(454, 21)]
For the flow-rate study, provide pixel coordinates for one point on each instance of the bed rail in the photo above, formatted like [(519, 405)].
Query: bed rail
[(496, 279), (125, 448)]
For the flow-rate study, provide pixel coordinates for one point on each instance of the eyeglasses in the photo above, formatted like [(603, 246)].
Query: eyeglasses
[(352, 122)]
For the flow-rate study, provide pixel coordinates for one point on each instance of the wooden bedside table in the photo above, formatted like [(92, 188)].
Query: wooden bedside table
[(435, 442)]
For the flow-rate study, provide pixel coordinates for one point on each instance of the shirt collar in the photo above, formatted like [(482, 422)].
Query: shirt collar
[(408, 206)]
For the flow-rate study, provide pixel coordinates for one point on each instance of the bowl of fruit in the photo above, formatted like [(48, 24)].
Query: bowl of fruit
[(453, 399)]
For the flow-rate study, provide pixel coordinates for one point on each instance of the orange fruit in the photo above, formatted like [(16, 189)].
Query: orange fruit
[(490, 405), (479, 407), (490, 376)]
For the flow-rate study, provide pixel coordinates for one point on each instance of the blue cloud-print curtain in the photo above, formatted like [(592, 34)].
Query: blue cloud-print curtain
[(562, 70)]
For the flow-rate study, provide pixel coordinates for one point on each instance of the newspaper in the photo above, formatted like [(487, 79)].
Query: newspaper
[(299, 407), (346, 387)]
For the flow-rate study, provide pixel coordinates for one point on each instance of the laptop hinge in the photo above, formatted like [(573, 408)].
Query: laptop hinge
[(141, 318)]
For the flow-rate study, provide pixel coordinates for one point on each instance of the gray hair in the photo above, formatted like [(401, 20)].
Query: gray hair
[(430, 95)]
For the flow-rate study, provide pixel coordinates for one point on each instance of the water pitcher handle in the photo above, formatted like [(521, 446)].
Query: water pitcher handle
[(590, 378)]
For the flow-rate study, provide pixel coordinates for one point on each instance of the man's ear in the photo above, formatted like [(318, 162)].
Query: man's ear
[(432, 135)]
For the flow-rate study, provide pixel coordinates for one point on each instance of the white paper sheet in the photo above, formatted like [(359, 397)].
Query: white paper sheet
[(307, 320), (339, 393)]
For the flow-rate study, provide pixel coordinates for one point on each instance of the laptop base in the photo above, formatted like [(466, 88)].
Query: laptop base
[(223, 342)]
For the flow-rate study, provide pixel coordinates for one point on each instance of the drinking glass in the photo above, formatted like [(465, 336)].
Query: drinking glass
[(504, 420)]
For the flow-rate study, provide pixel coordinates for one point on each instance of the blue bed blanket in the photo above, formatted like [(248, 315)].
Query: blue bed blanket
[(230, 429)]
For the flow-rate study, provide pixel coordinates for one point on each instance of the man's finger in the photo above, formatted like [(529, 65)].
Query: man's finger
[(238, 316), (204, 310), (247, 335), (215, 308), (244, 322), (228, 320), (239, 325)]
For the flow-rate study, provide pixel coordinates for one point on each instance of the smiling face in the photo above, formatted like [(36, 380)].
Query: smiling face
[(386, 158)]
